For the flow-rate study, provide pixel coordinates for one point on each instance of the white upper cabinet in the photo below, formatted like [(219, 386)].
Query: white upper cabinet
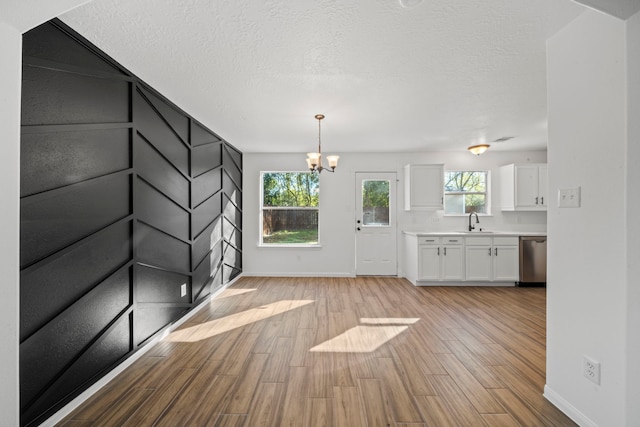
[(524, 187), (423, 187)]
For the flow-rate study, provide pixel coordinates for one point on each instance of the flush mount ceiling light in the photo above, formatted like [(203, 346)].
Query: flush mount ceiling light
[(478, 149), (314, 160)]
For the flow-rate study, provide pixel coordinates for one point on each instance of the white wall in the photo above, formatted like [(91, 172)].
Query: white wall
[(10, 78), (633, 221), (336, 257), (587, 280)]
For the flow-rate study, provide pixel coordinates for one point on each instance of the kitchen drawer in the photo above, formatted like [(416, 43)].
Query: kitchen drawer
[(452, 240), (426, 240), (478, 241), (506, 241)]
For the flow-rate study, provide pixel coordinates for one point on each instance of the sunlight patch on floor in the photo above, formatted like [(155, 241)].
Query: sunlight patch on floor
[(233, 292), (368, 337), (225, 324)]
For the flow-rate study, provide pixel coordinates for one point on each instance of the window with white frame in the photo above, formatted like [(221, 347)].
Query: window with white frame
[(466, 192), (290, 208)]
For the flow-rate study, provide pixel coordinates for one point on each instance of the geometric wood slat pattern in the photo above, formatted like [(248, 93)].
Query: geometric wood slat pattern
[(122, 205), (342, 352)]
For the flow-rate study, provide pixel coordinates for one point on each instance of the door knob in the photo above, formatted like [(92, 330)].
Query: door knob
[(358, 221), (358, 228)]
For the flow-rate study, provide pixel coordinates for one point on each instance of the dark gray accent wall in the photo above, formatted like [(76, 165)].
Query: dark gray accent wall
[(125, 198)]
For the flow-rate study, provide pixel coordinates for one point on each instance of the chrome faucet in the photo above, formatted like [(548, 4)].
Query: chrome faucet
[(471, 227)]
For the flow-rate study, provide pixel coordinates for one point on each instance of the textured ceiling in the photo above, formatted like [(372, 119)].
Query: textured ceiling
[(389, 75), (622, 9)]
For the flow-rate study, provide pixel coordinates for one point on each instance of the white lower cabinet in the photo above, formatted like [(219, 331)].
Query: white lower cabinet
[(478, 265), (440, 258), (452, 262), (493, 259), (505, 263), (461, 258)]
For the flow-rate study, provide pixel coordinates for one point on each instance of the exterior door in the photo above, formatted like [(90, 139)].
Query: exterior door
[(376, 249)]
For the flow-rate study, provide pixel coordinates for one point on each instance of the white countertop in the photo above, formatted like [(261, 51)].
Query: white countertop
[(474, 233)]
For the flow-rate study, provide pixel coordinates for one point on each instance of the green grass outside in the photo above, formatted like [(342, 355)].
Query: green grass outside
[(292, 236)]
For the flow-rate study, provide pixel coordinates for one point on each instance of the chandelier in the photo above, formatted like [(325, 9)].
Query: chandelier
[(314, 160)]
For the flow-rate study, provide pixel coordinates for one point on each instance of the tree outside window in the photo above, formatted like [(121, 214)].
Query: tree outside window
[(290, 205), (375, 202), (465, 192)]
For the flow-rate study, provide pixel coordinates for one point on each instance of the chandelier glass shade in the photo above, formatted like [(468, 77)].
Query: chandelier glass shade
[(314, 160)]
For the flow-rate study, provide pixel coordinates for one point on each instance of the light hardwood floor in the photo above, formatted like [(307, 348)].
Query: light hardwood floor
[(341, 352)]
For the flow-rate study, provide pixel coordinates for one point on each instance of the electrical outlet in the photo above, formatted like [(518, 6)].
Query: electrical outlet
[(591, 370), (183, 290)]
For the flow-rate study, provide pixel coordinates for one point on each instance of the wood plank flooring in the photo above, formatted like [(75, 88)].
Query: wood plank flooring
[(341, 352)]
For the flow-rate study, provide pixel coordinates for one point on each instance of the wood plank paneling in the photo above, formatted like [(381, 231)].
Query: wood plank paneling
[(50, 222), (111, 172), (53, 97), (52, 160), (61, 282)]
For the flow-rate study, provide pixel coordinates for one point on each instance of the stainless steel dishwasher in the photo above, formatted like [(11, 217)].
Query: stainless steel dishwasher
[(533, 260)]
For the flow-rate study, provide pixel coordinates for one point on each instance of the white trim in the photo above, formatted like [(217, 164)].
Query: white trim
[(296, 274), (569, 410), (287, 245), (75, 403), (508, 284)]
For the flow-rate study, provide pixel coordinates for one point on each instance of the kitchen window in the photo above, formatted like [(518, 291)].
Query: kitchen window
[(289, 208), (466, 192)]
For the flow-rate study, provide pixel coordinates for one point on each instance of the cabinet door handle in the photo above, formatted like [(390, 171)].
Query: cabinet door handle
[(496, 252), (489, 251), (536, 200), (438, 251), (542, 200), (445, 251)]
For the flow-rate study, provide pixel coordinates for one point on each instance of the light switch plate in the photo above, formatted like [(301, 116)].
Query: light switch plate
[(569, 197)]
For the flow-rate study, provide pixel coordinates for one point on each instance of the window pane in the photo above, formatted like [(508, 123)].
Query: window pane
[(375, 202), (295, 189), (465, 181), (465, 192), (289, 226), (464, 203), (474, 203), (454, 204)]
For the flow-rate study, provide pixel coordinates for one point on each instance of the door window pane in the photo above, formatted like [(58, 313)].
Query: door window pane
[(375, 202)]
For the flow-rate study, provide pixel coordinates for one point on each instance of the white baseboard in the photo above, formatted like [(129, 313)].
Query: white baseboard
[(75, 403), (299, 274), (568, 409)]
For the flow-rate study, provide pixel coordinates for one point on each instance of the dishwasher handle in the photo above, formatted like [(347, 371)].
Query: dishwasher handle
[(533, 239)]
